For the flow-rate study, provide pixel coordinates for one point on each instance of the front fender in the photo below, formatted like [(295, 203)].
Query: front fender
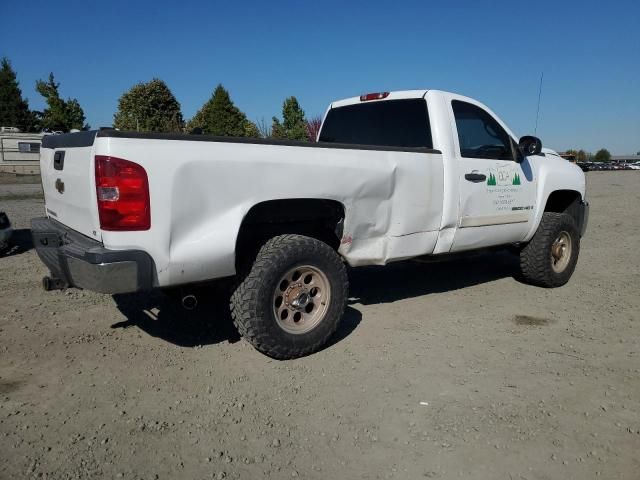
[(554, 174)]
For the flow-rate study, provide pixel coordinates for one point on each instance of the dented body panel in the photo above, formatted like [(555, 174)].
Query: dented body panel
[(392, 200)]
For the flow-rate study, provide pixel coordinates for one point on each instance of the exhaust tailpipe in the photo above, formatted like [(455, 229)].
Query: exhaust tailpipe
[(189, 302)]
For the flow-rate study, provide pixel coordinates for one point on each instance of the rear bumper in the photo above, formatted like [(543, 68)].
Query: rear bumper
[(583, 217), (79, 261)]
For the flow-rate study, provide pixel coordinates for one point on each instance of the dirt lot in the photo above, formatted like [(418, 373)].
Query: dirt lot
[(439, 371)]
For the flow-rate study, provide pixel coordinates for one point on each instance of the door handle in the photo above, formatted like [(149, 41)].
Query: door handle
[(475, 177), (58, 160)]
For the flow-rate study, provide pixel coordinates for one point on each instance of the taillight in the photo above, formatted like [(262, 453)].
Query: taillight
[(373, 96), (122, 189)]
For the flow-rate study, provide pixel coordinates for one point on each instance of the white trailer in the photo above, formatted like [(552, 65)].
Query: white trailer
[(20, 152)]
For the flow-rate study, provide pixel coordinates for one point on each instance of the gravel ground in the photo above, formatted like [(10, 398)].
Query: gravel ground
[(446, 370)]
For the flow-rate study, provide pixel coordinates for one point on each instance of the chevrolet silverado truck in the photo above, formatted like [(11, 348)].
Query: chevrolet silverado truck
[(393, 176)]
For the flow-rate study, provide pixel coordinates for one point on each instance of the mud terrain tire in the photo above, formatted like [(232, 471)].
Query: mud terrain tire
[(550, 258), (293, 276)]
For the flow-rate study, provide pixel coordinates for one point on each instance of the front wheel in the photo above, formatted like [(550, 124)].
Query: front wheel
[(293, 298), (550, 258)]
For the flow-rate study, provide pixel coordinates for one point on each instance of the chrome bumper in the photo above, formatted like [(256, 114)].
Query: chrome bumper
[(78, 261)]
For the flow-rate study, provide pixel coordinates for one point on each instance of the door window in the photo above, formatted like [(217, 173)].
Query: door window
[(479, 134)]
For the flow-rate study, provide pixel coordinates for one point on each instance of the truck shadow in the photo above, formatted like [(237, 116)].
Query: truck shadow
[(163, 317), (397, 281)]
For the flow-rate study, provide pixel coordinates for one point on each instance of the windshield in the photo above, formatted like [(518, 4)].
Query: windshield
[(393, 123)]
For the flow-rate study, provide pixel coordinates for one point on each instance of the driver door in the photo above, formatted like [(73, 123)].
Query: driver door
[(497, 192)]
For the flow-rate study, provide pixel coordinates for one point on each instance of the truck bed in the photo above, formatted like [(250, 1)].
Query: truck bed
[(202, 187)]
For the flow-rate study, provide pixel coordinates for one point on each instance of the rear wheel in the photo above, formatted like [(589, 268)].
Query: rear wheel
[(550, 258), (293, 298)]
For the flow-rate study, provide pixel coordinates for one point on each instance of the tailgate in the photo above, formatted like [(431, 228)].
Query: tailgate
[(68, 181)]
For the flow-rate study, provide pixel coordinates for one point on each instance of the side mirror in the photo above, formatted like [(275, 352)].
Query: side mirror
[(530, 145)]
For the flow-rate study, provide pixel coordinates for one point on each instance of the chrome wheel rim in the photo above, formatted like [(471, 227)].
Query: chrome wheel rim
[(301, 299), (561, 252)]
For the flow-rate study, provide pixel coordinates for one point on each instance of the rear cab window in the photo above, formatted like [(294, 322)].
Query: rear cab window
[(389, 123)]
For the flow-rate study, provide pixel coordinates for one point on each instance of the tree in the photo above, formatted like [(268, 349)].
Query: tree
[(277, 130), (602, 155), (60, 114), (571, 152), (251, 130), (149, 107), (14, 110), (294, 125), (581, 156), (219, 116), (313, 128), (264, 128)]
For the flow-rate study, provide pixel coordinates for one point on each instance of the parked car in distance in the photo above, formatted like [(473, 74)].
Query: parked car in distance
[(585, 166), (9, 130), (394, 176)]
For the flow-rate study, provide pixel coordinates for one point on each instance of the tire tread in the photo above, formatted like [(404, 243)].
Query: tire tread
[(245, 304), (535, 265)]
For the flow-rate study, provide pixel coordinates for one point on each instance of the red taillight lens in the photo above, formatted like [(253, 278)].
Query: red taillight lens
[(373, 96), (122, 189)]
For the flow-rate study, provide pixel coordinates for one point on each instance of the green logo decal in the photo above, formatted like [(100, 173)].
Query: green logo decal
[(503, 176)]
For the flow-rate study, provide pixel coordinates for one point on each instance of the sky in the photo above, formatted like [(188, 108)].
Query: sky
[(263, 52)]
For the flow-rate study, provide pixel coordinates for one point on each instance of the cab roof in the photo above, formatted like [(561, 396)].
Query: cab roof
[(400, 94)]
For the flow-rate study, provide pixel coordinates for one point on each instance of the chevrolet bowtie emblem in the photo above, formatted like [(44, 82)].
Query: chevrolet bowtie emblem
[(60, 186)]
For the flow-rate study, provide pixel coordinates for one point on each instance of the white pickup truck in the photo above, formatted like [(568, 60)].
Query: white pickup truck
[(393, 176)]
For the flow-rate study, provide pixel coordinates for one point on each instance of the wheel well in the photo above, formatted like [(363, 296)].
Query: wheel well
[(564, 201), (321, 219)]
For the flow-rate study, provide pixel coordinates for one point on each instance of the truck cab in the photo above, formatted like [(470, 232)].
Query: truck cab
[(493, 193)]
